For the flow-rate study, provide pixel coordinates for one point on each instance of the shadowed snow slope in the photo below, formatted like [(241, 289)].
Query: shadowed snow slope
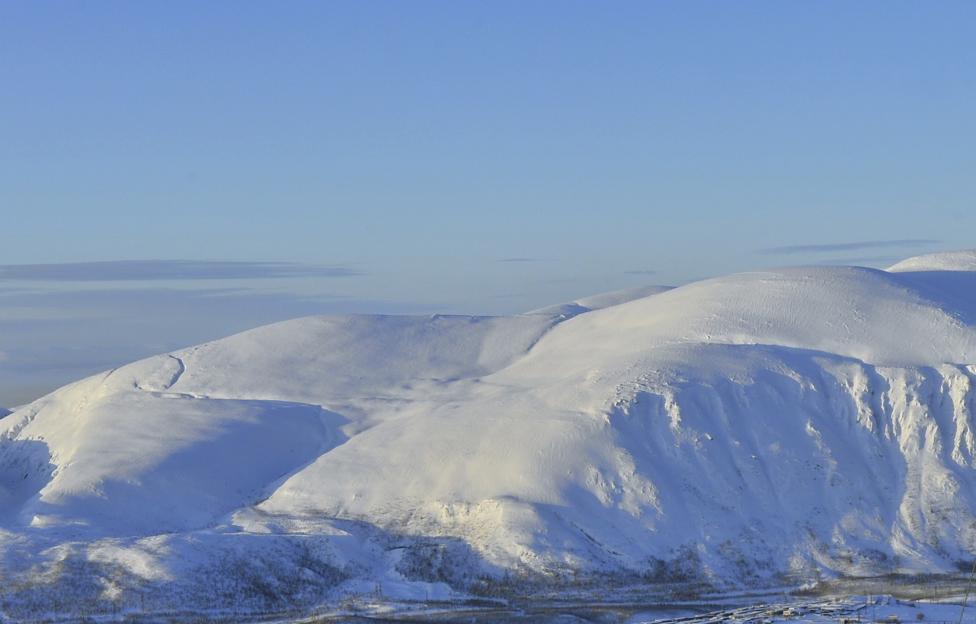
[(748, 429)]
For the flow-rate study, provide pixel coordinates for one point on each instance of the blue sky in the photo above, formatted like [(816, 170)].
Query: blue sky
[(451, 156)]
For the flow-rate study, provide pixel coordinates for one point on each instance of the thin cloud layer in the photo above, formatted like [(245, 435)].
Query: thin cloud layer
[(863, 261), (854, 246), (158, 270), (641, 272)]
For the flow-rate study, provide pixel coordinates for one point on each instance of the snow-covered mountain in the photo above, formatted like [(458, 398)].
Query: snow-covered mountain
[(757, 429)]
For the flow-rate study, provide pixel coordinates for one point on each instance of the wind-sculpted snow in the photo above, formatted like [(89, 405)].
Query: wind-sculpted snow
[(757, 429)]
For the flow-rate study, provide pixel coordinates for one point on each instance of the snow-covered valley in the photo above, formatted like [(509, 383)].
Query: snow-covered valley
[(760, 430)]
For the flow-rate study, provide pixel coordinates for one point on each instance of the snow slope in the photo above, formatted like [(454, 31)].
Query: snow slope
[(964, 260), (754, 429), (604, 300)]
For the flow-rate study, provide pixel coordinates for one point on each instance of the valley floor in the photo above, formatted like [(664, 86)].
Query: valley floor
[(884, 608), (931, 598)]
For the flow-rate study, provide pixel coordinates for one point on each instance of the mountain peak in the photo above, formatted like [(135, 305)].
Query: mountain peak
[(746, 430)]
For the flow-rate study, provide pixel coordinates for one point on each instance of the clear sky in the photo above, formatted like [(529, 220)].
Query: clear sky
[(454, 156)]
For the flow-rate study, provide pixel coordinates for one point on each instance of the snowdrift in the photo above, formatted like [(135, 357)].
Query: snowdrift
[(751, 430)]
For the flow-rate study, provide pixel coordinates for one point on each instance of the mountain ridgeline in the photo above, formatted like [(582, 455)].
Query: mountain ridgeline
[(760, 429)]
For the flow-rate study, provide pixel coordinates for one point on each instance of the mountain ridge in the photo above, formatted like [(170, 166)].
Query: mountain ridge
[(762, 428)]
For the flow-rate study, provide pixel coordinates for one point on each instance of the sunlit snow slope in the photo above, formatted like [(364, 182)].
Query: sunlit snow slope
[(757, 428)]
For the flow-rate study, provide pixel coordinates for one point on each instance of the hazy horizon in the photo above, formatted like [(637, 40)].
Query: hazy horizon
[(90, 317)]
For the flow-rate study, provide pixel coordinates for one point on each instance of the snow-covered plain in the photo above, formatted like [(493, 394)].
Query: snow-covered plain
[(766, 429)]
